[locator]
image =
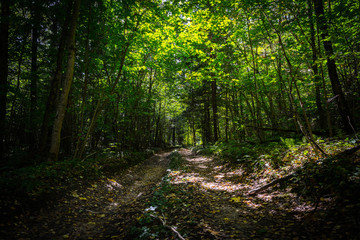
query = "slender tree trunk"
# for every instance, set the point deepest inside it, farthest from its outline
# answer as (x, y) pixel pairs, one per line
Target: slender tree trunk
(4, 64)
(226, 115)
(157, 127)
(17, 90)
(259, 121)
(346, 117)
(61, 108)
(55, 85)
(214, 108)
(84, 89)
(193, 130)
(328, 117)
(317, 79)
(33, 82)
(206, 126)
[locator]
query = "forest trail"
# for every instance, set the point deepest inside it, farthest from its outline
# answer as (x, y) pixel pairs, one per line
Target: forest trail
(103, 210)
(202, 199)
(218, 206)
(229, 213)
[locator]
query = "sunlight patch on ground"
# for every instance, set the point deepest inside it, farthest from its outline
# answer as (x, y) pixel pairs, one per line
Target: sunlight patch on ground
(178, 177)
(223, 186)
(252, 204)
(199, 160)
(202, 166)
(219, 177)
(113, 185)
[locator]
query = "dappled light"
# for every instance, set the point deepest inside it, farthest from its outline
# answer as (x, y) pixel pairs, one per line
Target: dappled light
(186, 119)
(113, 185)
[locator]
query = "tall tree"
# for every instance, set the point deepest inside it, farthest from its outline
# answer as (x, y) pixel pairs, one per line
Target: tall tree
(61, 107)
(34, 76)
(4, 63)
(346, 116)
(55, 82)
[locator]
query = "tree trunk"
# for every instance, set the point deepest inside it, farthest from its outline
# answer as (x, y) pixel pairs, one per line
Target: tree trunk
(346, 117)
(4, 63)
(207, 138)
(33, 81)
(259, 121)
(61, 108)
(317, 79)
(86, 79)
(214, 108)
(226, 115)
(55, 85)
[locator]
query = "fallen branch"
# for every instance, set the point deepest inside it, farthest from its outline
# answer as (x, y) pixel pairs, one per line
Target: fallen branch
(279, 180)
(347, 153)
(341, 155)
(321, 133)
(170, 227)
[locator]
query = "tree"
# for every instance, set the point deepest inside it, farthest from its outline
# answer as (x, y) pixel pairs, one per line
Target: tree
(61, 107)
(346, 116)
(4, 56)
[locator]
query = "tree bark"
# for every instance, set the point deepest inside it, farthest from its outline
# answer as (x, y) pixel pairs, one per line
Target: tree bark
(86, 79)
(314, 66)
(55, 85)
(207, 137)
(346, 116)
(33, 80)
(214, 108)
(4, 63)
(61, 108)
(226, 115)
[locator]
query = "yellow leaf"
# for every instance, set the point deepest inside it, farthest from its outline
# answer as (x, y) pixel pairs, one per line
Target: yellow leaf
(74, 194)
(82, 198)
(235, 199)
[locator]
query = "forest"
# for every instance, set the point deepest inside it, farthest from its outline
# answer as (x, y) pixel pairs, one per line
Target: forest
(100, 96)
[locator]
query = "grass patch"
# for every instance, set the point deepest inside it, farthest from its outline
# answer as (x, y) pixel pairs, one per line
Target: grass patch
(176, 161)
(166, 199)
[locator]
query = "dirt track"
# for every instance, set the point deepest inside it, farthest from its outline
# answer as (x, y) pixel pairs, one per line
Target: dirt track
(103, 210)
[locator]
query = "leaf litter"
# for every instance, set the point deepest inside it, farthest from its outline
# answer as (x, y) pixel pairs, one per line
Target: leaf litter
(203, 199)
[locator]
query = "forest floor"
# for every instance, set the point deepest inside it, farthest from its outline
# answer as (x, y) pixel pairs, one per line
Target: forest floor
(203, 199)
(101, 210)
(207, 200)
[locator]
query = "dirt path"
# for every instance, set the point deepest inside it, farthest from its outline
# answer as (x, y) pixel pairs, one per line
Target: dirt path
(104, 210)
(223, 210)
(205, 199)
